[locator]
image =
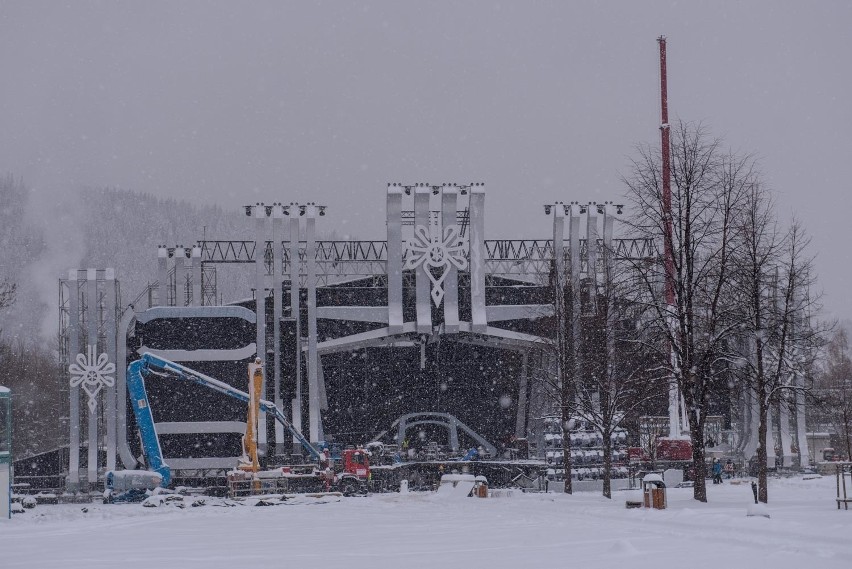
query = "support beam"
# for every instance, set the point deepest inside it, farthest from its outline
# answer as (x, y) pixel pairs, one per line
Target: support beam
(314, 418)
(180, 276)
(592, 253)
(92, 341)
(573, 308)
(110, 346)
(770, 436)
(127, 458)
(260, 309)
(449, 198)
(296, 407)
(503, 312)
(784, 425)
(74, 332)
(197, 300)
(394, 260)
(423, 284)
(277, 314)
(377, 314)
(162, 277)
(801, 429)
(479, 319)
(609, 212)
(563, 343)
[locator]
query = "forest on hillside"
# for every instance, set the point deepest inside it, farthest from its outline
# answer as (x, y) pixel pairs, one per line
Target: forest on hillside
(39, 243)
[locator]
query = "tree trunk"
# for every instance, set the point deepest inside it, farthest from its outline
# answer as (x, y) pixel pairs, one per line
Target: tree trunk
(607, 473)
(696, 434)
(566, 452)
(762, 491)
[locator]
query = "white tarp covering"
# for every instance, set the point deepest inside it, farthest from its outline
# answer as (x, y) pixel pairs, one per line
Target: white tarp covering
(456, 486)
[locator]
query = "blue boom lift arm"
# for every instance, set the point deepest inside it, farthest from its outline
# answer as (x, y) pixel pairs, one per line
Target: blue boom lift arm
(150, 364)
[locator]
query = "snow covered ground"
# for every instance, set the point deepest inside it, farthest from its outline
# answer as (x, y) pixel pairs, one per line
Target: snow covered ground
(422, 530)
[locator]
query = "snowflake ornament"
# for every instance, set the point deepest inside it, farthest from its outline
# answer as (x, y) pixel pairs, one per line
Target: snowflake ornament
(435, 251)
(93, 373)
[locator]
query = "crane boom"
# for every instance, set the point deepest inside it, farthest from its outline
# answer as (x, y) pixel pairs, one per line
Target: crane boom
(149, 364)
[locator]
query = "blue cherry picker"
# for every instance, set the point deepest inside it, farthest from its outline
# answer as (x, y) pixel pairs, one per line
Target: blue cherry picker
(354, 466)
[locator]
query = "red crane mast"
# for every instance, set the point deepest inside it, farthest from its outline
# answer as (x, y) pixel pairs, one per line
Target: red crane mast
(668, 256)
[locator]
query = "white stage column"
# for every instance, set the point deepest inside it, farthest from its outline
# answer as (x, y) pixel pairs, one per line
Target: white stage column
(801, 427)
(752, 413)
(196, 277)
(74, 333)
(559, 289)
(295, 313)
(180, 276)
(92, 341)
(260, 310)
(559, 243)
(162, 277)
(786, 437)
(573, 309)
(770, 437)
(479, 320)
(394, 260)
(449, 199)
(277, 313)
(110, 346)
(609, 213)
(592, 253)
(314, 418)
(127, 458)
(422, 224)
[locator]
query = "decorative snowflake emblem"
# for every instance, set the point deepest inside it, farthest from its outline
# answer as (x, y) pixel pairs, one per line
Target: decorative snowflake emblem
(93, 373)
(435, 251)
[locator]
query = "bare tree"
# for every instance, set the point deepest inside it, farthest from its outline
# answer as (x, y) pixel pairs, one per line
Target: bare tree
(707, 195)
(7, 296)
(834, 388)
(616, 382)
(651, 429)
(562, 386)
(31, 371)
(773, 273)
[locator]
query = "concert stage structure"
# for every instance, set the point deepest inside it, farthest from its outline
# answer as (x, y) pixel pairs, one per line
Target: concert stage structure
(435, 319)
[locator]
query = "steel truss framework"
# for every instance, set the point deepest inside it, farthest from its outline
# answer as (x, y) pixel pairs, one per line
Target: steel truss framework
(527, 259)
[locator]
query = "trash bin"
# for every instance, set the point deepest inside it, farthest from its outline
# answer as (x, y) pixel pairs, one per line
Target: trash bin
(481, 487)
(654, 492)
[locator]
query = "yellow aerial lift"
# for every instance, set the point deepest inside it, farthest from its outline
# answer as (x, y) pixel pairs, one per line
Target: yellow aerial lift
(249, 461)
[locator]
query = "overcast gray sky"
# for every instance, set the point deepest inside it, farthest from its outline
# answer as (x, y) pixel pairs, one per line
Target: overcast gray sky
(237, 102)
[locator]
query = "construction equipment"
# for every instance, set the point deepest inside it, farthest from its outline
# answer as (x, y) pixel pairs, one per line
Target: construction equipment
(129, 485)
(350, 477)
(250, 462)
